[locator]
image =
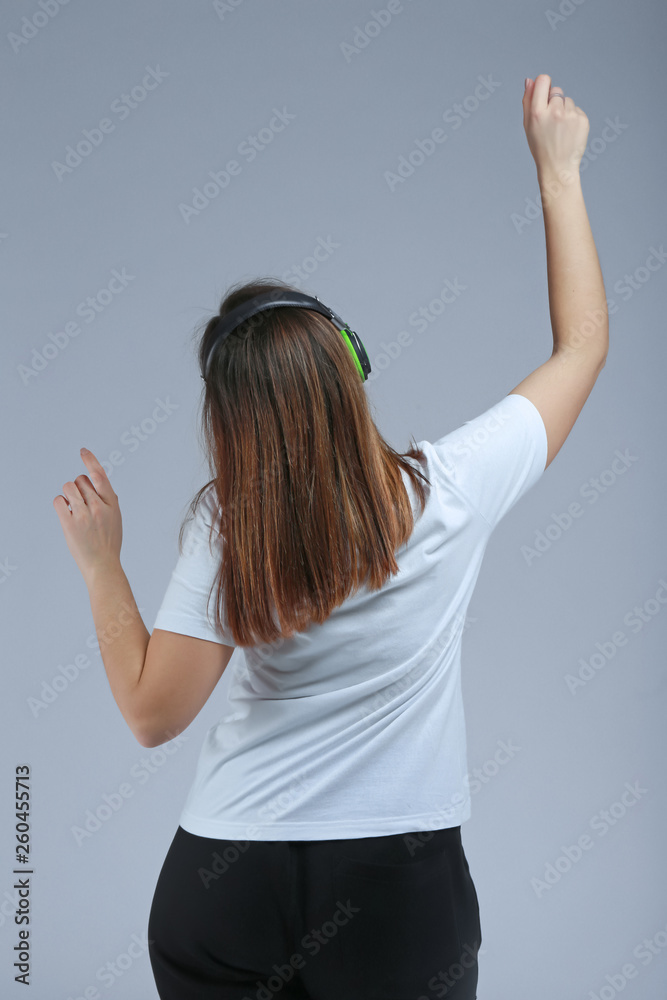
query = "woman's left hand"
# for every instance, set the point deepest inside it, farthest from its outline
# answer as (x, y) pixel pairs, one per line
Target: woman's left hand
(93, 529)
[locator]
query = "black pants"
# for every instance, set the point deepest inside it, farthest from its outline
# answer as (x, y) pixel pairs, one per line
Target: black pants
(393, 917)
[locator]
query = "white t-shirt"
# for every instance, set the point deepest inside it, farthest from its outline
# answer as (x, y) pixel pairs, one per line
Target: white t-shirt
(355, 727)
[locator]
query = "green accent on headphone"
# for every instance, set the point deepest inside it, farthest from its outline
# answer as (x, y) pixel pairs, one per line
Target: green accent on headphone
(352, 352)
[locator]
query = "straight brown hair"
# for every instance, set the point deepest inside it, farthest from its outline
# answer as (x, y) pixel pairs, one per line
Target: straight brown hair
(311, 500)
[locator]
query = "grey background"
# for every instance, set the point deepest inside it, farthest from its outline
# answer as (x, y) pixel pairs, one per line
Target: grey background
(455, 217)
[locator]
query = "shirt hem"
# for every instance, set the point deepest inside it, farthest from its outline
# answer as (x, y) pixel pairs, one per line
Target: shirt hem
(338, 830)
(171, 621)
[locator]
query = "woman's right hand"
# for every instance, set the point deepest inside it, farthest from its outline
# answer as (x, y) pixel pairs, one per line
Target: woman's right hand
(556, 129)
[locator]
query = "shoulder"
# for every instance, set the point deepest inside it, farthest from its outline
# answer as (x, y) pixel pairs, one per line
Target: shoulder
(209, 509)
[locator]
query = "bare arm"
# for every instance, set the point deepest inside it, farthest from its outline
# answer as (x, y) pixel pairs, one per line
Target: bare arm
(577, 298)
(557, 131)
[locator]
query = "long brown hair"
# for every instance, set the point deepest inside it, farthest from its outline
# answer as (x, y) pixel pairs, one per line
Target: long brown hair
(311, 500)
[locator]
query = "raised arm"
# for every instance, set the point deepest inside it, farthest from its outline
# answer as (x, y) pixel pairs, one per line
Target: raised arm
(557, 132)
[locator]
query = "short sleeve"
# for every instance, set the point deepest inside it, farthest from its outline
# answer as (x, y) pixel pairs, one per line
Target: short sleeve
(493, 459)
(184, 606)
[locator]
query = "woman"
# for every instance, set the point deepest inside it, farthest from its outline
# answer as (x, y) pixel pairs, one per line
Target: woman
(319, 851)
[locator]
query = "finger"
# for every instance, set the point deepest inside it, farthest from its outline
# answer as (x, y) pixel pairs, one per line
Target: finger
(86, 488)
(98, 476)
(527, 98)
(541, 92)
(70, 492)
(62, 510)
(528, 91)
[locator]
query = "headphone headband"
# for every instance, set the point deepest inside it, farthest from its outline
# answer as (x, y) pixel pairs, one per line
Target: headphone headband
(280, 297)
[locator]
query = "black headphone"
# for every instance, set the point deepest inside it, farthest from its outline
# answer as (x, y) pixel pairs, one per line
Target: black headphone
(280, 297)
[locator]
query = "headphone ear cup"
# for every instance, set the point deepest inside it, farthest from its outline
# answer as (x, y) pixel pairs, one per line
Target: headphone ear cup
(365, 360)
(358, 352)
(351, 340)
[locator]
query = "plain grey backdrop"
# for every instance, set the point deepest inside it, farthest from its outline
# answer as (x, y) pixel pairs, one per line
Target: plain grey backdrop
(117, 239)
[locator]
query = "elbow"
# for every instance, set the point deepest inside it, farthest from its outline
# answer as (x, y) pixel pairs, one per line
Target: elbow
(143, 723)
(143, 737)
(150, 737)
(145, 741)
(152, 725)
(144, 732)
